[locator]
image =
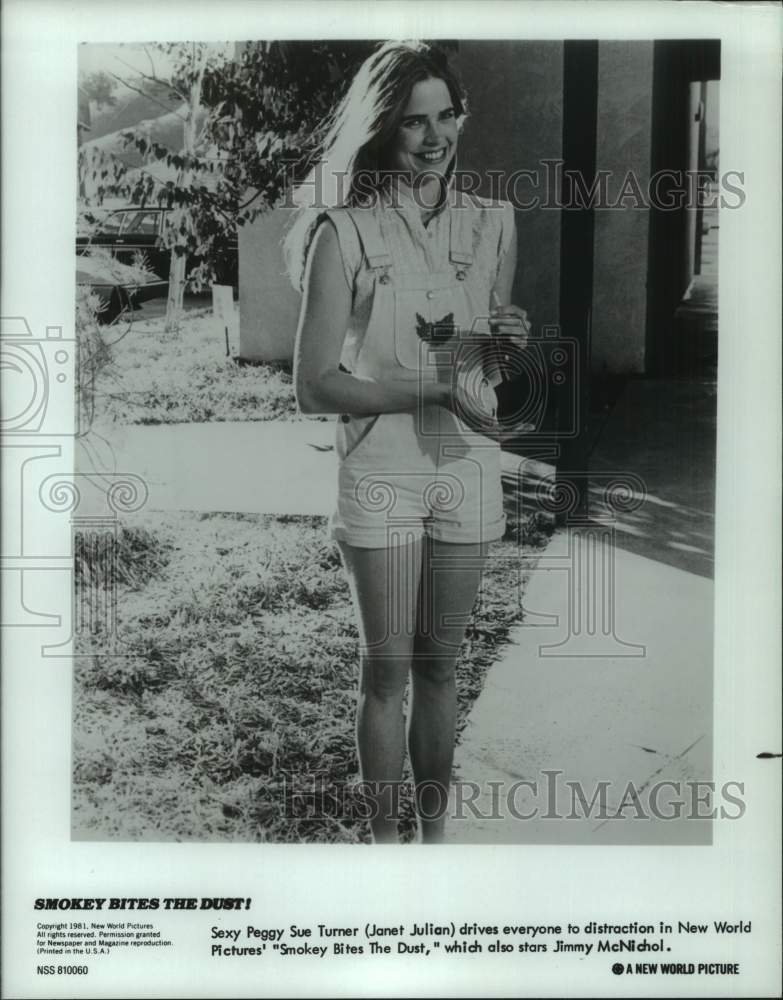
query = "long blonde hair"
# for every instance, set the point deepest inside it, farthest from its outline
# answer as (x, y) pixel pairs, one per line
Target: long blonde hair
(350, 158)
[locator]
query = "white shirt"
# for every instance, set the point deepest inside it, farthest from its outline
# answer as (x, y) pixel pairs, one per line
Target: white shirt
(416, 248)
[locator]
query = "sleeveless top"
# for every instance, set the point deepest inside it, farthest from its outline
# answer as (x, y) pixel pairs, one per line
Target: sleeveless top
(415, 249)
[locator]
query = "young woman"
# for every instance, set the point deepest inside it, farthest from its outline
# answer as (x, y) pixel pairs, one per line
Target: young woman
(397, 267)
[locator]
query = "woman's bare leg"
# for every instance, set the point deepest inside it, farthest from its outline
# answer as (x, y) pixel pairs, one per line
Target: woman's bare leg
(451, 575)
(385, 584)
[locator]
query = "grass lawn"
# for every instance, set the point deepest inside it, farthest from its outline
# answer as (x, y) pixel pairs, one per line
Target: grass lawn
(185, 377)
(238, 683)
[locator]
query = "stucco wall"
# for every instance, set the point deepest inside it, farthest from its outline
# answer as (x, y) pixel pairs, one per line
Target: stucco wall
(621, 235)
(268, 303)
(515, 98)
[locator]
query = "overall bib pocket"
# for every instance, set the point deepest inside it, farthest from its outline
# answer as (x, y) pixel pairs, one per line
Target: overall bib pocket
(424, 318)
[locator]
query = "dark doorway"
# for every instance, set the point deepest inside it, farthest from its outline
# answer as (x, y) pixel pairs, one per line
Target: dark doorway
(580, 112)
(682, 342)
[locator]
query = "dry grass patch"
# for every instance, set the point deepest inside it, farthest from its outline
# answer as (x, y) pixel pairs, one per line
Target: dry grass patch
(230, 713)
(185, 377)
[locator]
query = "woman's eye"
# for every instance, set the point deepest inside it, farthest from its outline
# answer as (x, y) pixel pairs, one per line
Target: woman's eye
(419, 122)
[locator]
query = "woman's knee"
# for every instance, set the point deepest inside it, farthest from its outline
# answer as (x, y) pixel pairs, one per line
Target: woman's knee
(384, 678)
(434, 671)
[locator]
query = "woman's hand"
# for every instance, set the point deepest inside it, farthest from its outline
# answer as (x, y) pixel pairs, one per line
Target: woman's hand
(474, 405)
(510, 322)
(461, 385)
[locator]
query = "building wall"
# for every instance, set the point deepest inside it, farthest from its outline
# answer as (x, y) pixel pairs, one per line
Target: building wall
(624, 136)
(516, 124)
(515, 99)
(268, 303)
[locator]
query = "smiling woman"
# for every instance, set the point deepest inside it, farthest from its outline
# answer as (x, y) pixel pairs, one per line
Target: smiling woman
(401, 272)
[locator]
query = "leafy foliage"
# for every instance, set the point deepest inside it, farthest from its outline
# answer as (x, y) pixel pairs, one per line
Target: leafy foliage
(99, 87)
(248, 125)
(268, 106)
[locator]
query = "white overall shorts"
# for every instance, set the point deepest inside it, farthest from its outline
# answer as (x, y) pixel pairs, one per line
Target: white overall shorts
(402, 475)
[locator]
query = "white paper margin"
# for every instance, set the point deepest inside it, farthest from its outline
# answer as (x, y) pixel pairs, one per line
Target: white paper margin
(739, 877)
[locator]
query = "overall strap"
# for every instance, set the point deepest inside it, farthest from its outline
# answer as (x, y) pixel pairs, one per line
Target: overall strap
(371, 238)
(461, 234)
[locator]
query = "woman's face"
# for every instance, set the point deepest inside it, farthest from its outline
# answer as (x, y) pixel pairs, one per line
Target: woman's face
(426, 138)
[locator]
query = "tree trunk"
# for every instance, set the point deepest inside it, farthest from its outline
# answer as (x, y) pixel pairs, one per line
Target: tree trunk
(177, 273)
(176, 294)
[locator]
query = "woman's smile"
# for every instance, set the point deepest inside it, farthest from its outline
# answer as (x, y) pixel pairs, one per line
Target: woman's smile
(437, 156)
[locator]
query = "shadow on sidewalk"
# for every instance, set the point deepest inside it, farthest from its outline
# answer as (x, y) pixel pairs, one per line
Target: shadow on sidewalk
(651, 474)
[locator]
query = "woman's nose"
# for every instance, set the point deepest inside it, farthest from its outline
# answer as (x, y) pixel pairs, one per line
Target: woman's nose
(432, 135)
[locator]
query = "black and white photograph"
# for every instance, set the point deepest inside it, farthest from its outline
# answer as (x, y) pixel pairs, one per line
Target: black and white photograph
(392, 463)
(411, 370)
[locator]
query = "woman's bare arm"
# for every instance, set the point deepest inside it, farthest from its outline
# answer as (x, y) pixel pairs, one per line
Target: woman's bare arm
(326, 308)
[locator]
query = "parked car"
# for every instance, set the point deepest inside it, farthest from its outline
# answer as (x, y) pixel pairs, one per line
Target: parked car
(120, 288)
(126, 231)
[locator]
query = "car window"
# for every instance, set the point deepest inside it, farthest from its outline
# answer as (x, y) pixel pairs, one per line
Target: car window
(111, 224)
(141, 223)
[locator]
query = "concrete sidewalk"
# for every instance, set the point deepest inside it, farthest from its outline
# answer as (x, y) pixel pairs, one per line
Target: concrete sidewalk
(632, 706)
(269, 467)
(609, 678)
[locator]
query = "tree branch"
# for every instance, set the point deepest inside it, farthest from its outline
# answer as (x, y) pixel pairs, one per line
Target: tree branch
(149, 97)
(249, 201)
(154, 78)
(149, 57)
